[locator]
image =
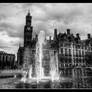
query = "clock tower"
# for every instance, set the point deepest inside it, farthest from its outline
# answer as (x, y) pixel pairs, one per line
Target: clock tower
(28, 31)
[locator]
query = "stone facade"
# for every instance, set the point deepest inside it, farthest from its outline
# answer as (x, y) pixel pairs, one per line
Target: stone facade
(74, 54)
(7, 61)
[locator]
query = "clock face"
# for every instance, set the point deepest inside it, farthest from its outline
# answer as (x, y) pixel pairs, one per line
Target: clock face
(28, 28)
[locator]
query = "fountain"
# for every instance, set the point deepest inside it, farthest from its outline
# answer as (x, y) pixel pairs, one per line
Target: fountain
(54, 67)
(39, 56)
(39, 68)
(26, 64)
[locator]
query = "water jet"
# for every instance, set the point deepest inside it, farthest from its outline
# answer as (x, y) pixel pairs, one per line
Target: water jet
(45, 70)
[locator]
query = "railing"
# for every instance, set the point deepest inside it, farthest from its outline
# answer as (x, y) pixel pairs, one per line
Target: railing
(11, 71)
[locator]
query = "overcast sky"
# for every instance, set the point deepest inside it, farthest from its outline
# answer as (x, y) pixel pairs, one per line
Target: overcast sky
(45, 16)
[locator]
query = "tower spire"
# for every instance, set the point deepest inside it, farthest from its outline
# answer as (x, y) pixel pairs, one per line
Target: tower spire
(29, 12)
(28, 29)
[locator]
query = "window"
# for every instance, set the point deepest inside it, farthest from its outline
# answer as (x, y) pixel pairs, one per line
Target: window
(65, 51)
(76, 60)
(33, 51)
(80, 60)
(80, 53)
(66, 60)
(76, 53)
(69, 52)
(70, 60)
(61, 50)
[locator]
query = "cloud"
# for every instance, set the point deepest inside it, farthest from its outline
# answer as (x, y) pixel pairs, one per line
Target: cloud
(78, 17)
(45, 16)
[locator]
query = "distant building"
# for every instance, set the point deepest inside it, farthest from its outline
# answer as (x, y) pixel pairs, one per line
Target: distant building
(20, 54)
(7, 61)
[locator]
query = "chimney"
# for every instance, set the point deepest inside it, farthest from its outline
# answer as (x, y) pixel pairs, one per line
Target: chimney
(50, 38)
(68, 31)
(78, 36)
(55, 34)
(89, 36)
(36, 37)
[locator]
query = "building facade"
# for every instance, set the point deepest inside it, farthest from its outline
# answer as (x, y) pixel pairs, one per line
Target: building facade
(74, 55)
(20, 57)
(7, 61)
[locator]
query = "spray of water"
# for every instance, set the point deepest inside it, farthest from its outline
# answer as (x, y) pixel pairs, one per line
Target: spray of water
(54, 67)
(26, 67)
(39, 56)
(30, 72)
(39, 69)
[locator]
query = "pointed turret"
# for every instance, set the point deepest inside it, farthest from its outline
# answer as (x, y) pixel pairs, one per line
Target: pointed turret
(28, 29)
(28, 18)
(55, 34)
